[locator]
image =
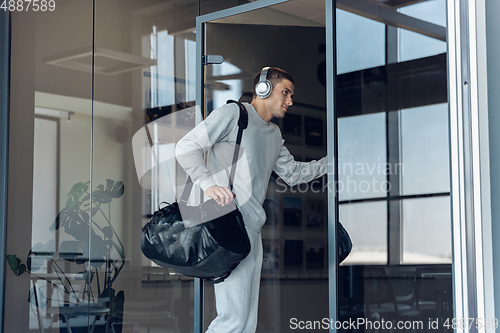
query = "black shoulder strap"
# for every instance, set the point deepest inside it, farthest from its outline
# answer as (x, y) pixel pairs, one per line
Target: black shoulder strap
(243, 121)
(242, 124)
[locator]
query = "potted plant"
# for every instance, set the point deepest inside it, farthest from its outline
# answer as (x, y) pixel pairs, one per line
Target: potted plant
(93, 243)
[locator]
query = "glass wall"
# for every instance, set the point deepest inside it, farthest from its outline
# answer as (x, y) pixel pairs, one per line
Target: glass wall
(394, 182)
(50, 158)
(96, 75)
(87, 79)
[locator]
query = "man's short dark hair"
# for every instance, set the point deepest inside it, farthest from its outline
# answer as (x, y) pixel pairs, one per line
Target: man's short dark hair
(275, 75)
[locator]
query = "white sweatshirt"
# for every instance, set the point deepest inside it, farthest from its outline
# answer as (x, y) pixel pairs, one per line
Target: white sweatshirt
(261, 152)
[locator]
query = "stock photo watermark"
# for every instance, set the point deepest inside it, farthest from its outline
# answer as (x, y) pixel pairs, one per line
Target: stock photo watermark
(364, 323)
(353, 178)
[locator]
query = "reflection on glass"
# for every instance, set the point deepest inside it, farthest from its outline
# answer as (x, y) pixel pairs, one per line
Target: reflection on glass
(433, 11)
(49, 262)
(362, 157)
(44, 181)
(424, 138)
(190, 59)
(415, 46)
(160, 97)
(230, 89)
(162, 75)
(426, 231)
(360, 42)
(392, 104)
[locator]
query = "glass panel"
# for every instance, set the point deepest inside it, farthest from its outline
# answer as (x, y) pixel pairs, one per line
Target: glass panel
(433, 11)
(50, 143)
(393, 126)
(366, 224)
(155, 89)
(413, 45)
(294, 235)
(360, 43)
(363, 168)
(425, 160)
(420, 216)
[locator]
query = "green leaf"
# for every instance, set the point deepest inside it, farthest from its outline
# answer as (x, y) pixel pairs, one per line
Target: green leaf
(95, 210)
(101, 197)
(109, 184)
(117, 190)
(85, 216)
(78, 189)
(21, 269)
(75, 194)
(13, 261)
(15, 264)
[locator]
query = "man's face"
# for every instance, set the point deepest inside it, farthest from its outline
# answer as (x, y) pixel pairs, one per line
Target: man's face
(281, 98)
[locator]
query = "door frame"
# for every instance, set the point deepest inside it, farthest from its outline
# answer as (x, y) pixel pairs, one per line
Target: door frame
(471, 196)
(331, 116)
(4, 147)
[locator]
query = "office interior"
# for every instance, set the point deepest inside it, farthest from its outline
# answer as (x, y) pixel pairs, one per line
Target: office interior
(86, 77)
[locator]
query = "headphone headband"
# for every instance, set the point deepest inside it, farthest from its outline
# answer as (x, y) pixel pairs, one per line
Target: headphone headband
(263, 74)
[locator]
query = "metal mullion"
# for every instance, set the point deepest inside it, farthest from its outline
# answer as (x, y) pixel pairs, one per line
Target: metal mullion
(332, 151)
(456, 158)
(396, 197)
(4, 147)
(394, 216)
(468, 170)
(238, 10)
(393, 155)
(465, 161)
(200, 102)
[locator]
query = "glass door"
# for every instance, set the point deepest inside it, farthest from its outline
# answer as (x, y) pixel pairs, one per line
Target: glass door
(236, 45)
(371, 91)
(394, 180)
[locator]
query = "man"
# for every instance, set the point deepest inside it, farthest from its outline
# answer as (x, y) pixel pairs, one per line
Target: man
(262, 153)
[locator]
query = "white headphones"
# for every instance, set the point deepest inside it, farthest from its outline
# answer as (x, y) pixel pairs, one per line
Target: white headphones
(264, 88)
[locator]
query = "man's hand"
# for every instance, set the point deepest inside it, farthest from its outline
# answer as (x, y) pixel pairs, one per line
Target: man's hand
(221, 194)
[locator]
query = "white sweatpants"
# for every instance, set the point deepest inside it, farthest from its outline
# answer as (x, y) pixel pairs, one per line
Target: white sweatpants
(237, 297)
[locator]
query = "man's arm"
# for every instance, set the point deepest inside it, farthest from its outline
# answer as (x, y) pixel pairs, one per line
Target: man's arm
(294, 173)
(189, 151)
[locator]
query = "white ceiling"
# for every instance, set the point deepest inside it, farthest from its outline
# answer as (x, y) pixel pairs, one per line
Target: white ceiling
(312, 13)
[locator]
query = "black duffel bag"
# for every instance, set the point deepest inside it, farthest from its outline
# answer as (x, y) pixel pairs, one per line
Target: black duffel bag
(208, 250)
(206, 241)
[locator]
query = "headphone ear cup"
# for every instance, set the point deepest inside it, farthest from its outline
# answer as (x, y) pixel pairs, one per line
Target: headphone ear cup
(263, 89)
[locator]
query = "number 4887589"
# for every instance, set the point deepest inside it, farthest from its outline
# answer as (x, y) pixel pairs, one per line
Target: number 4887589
(27, 5)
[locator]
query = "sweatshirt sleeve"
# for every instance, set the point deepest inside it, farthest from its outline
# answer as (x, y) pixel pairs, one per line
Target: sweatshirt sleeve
(217, 127)
(294, 173)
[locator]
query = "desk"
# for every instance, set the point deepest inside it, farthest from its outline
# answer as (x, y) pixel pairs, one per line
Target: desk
(79, 310)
